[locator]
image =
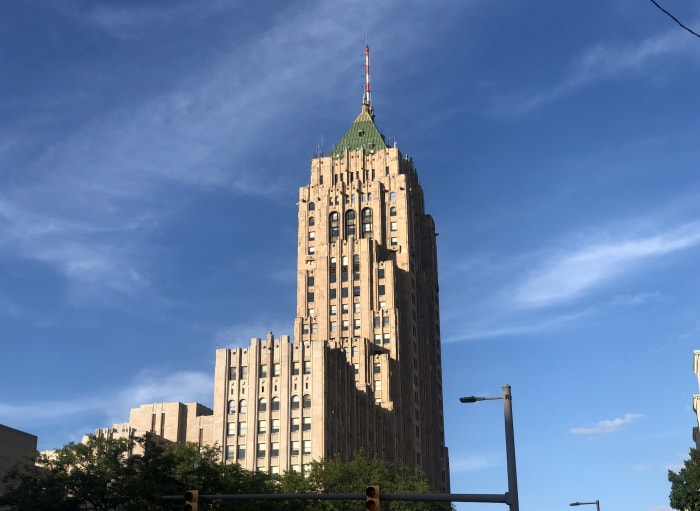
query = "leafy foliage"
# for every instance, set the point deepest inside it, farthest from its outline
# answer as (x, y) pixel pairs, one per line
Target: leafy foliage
(101, 475)
(685, 485)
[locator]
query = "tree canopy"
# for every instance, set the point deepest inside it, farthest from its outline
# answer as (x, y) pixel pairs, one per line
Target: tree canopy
(101, 475)
(685, 485)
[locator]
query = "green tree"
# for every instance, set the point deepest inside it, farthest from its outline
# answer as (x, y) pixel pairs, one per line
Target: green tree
(685, 485)
(337, 476)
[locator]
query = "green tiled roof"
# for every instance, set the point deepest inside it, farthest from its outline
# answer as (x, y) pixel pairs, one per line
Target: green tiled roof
(363, 134)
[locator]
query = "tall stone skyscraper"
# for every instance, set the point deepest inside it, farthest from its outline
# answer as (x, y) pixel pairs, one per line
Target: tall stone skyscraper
(364, 369)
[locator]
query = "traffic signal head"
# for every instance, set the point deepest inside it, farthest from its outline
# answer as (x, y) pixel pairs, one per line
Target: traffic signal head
(191, 498)
(372, 498)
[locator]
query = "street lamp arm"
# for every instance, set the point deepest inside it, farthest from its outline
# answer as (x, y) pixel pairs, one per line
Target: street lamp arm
(474, 399)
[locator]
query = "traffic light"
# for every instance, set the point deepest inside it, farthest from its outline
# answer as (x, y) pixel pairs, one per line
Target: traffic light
(191, 498)
(372, 498)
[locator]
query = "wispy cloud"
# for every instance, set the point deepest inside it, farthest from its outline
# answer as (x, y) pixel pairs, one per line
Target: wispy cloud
(567, 274)
(635, 299)
(508, 326)
(607, 426)
(147, 387)
(239, 334)
(597, 63)
(471, 463)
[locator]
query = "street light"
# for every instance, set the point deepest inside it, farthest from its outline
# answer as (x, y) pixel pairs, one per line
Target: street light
(512, 494)
(597, 504)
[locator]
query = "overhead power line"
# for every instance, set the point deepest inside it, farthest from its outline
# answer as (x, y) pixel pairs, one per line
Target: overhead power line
(674, 18)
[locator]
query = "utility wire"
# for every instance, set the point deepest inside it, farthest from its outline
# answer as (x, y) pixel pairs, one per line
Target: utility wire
(675, 19)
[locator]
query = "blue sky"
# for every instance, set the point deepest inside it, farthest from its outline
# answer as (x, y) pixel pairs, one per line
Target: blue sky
(150, 156)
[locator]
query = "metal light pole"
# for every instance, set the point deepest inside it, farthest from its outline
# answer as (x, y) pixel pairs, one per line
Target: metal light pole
(512, 495)
(597, 504)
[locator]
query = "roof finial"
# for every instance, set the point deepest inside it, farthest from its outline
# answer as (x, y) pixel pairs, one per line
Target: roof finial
(367, 97)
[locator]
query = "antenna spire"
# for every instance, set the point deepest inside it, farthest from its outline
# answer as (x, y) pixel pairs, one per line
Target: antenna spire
(367, 96)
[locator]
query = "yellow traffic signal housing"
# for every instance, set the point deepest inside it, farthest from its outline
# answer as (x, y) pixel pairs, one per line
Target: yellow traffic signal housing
(191, 500)
(372, 498)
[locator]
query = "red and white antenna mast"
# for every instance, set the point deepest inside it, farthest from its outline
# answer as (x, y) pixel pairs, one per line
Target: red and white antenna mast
(367, 97)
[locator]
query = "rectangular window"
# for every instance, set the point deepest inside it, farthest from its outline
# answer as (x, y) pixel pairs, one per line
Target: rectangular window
(310, 280)
(230, 450)
(357, 324)
(275, 449)
(314, 328)
(377, 321)
(295, 448)
(356, 367)
(262, 373)
(380, 273)
(241, 452)
(355, 351)
(262, 427)
(385, 321)
(242, 428)
(381, 290)
(334, 326)
(307, 446)
(295, 368)
(344, 308)
(377, 338)
(244, 372)
(231, 373)
(378, 385)
(275, 426)
(230, 429)
(356, 291)
(344, 292)
(276, 369)
(344, 275)
(310, 297)
(387, 339)
(394, 241)
(334, 308)
(377, 368)
(312, 235)
(394, 226)
(261, 450)
(307, 367)
(295, 425)
(382, 305)
(312, 250)
(312, 311)
(332, 293)
(345, 324)
(356, 307)
(306, 424)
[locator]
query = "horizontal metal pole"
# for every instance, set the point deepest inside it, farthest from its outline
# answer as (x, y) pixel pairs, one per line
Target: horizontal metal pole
(500, 498)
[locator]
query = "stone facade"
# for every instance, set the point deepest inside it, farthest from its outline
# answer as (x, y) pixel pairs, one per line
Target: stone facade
(364, 370)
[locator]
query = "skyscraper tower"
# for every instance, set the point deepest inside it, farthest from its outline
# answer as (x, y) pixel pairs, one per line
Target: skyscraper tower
(364, 370)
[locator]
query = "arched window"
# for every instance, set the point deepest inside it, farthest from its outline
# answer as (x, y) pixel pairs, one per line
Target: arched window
(333, 226)
(392, 211)
(295, 402)
(307, 401)
(275, 404)
(392, 196)
(312, 206)
(312, 221)
(232, 406)
(349, 223)
(242, 406)
(367, 223)
(262, 405)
